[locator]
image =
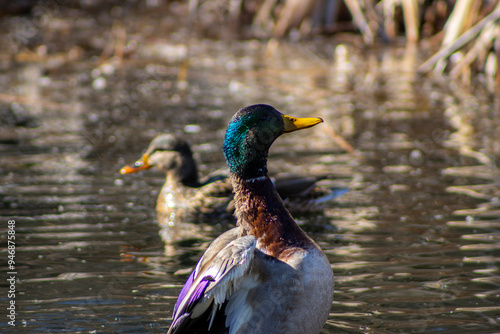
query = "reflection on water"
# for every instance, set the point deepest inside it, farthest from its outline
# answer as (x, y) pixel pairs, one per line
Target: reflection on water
(414, 244)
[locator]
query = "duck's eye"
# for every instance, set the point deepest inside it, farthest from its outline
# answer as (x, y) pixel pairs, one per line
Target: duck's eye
(263, 118)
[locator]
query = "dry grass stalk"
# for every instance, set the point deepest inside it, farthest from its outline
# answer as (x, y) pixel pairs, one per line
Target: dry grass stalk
(410, 11)
(456, 22)
(484, 42)
(455, 26)
(340, 140)
(466, 37)
(497, 56)
(264, 13)
(491, 68)
(360, 20)
(235, 10)
(292, 14)
(389, 23)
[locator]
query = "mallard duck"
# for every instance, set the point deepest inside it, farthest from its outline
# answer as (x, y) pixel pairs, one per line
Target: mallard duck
(189, 197)
(183, 194)
(266, 275)
(185, 202)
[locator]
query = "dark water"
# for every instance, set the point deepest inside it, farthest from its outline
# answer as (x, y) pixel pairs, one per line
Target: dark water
(414, 245)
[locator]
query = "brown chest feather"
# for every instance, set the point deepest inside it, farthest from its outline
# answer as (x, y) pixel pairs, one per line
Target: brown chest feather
(261, 212)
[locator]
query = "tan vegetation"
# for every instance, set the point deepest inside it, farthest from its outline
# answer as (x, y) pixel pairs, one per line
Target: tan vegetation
(465, 33)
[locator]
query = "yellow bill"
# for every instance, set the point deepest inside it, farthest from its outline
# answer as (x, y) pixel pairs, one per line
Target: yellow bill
(294, 123)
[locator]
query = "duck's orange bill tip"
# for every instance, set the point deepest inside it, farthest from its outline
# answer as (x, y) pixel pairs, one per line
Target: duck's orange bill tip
(127, 170)
(134, 169)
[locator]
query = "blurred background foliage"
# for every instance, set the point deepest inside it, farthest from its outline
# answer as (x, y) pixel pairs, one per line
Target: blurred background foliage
(464, 34)
(460, 37)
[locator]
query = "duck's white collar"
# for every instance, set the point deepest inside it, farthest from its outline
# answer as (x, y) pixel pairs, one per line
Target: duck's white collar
(255, 179)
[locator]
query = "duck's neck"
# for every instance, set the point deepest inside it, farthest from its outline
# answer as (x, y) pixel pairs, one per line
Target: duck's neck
(192, 181)
(261, 212)
(184, 174)
(176, 181)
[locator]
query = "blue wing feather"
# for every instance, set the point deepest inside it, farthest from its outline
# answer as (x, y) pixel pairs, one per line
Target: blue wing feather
(184, 290)
(213, 279)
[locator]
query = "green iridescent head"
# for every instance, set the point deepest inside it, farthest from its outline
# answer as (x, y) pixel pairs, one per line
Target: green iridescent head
(250, 134)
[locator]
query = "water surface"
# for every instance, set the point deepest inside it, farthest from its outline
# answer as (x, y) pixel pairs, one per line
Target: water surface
(414, 245)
